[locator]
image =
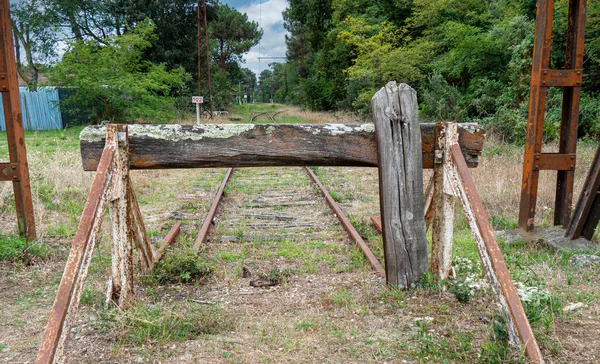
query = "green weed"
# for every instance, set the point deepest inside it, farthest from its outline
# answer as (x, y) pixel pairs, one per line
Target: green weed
(179, 267)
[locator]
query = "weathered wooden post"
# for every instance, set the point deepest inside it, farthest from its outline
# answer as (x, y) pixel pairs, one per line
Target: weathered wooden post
(398, 135)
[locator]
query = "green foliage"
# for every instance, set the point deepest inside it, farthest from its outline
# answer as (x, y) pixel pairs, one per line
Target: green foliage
(469, 60)
(460, 289)
(15, 249)
(234, 34)
(112, 81)
(179, 267)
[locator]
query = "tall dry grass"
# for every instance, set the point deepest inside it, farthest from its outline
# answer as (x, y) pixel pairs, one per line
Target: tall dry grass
(498, 179)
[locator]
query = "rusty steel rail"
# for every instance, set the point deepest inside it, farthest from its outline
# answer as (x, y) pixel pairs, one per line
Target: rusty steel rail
(170, 238)
(354, 235)
(208, 221)
(491, 256)
(377, 223)
(71, 284)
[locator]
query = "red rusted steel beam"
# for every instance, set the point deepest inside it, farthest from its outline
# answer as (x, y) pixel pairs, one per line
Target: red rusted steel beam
(170, 238)
(541, 78)
(491, 257)
(588, 201)
(537, 108)
(570, 111)
(9, 87)
(208, 221)
(377, 222)
(71, 284)
(354, 235)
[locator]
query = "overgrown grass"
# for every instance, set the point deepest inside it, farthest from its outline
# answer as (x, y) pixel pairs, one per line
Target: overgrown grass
(144, 324)
(16, 249)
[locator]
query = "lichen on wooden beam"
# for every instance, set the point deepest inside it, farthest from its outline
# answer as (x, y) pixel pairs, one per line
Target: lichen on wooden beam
(248, 145)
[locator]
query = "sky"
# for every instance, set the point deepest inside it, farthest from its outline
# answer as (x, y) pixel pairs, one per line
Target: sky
(269, 16)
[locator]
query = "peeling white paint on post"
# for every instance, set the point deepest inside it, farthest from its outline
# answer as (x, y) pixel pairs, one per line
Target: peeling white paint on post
(120, 290)
(443, 207)
(518, 328)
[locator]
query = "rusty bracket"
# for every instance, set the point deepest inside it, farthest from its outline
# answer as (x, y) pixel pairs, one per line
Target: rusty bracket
(3, 82)
(560, 78)
(9, 172)
(554, 162)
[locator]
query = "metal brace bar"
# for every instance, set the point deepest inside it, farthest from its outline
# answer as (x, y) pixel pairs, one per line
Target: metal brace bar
(554, 162)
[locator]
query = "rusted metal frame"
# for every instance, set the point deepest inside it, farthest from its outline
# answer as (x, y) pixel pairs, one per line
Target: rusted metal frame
(518, 326)
(537, 107)
(71, 285)
(209, 220)
(354, 235)
(120, 285)
(14, 126)
(8, 172)
(570, 111)
(561, 78)
(593, 217)
(170, 238)
(554, 162)
(429, 202)
(147, 254)
(377, 223)
(586, 200)
(442, 208)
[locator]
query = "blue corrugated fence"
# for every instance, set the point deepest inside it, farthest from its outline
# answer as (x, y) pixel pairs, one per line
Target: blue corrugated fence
(39, 108)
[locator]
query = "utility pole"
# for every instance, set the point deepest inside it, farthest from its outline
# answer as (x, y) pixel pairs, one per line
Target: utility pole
(203, 28)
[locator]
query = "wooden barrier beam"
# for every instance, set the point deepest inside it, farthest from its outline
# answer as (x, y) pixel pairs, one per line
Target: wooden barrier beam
(268, 145)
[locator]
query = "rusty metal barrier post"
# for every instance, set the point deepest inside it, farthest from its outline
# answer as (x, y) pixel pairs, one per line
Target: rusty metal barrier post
(17, 171)
(497, 272)
(71, 285)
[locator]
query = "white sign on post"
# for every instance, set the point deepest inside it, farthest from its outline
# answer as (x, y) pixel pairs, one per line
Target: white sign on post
(197, 100)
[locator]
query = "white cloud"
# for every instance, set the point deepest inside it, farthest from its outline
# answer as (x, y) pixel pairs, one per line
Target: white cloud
(269, 16)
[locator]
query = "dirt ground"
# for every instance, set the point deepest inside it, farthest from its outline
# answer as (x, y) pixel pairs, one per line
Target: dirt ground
(327, 305)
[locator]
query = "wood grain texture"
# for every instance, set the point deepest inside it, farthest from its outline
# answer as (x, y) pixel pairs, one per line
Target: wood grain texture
(246, 145)
(398, 135)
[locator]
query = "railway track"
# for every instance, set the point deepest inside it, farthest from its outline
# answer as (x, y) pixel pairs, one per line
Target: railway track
(279, 217)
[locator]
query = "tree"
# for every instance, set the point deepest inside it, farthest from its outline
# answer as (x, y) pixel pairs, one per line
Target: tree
(234, 34)
(266, 85)
(35, 37)
(113, 82)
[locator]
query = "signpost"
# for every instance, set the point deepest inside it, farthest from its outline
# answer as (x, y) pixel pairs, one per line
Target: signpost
(197, 100)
